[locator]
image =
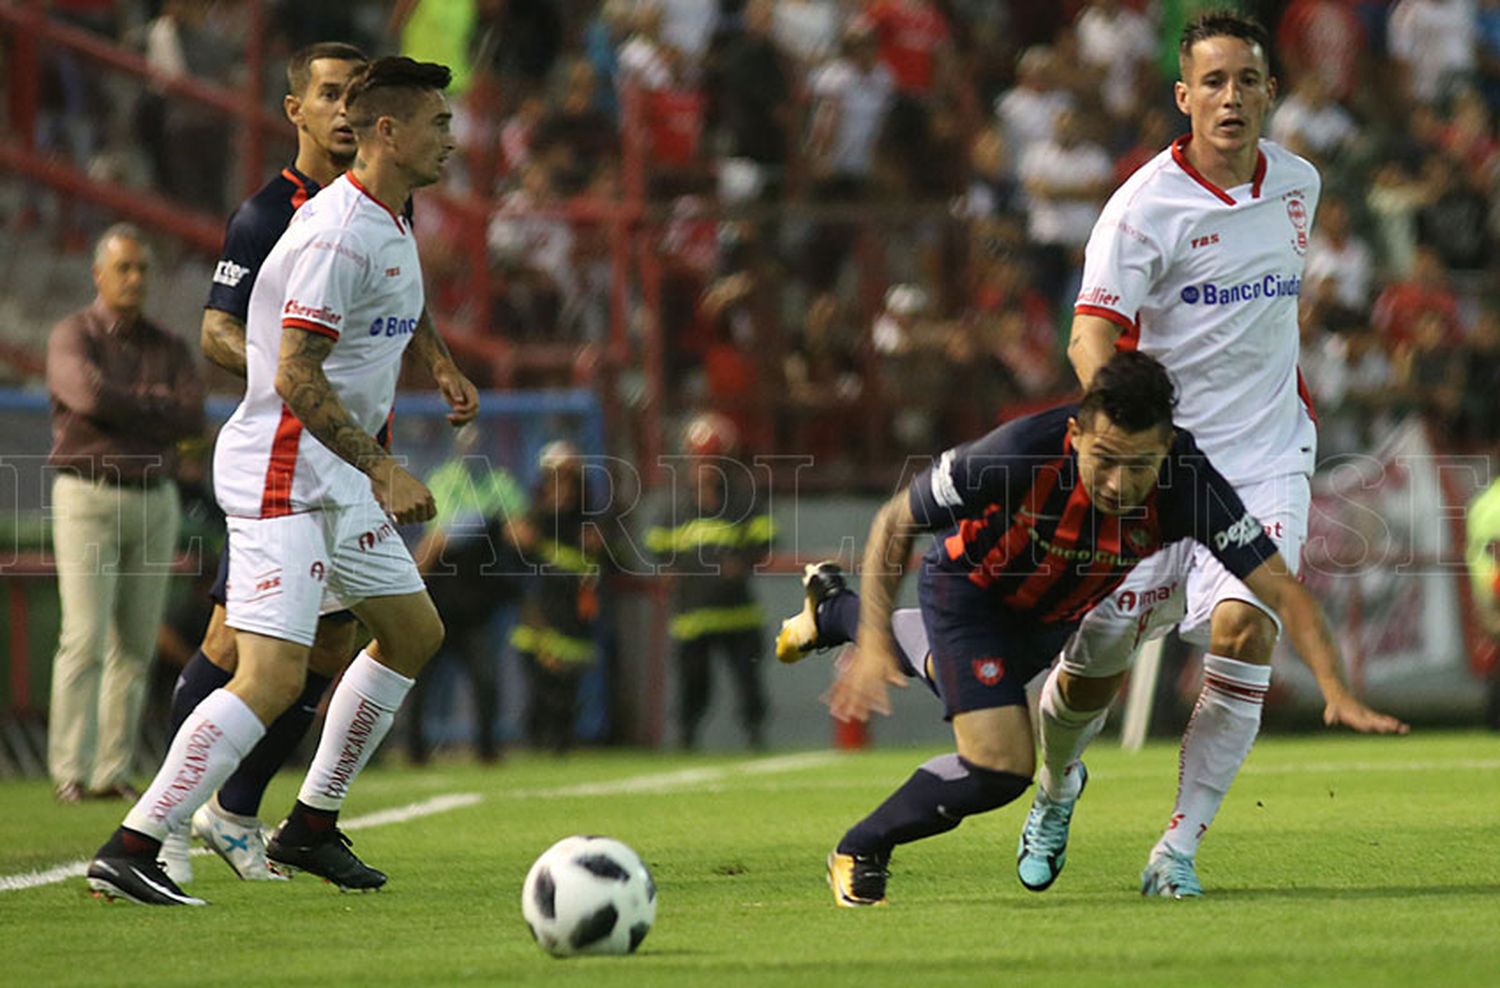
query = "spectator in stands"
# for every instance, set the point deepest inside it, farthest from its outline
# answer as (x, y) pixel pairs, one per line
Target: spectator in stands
(1479, 414)
(1429, 372)
(687, 27)
(1488, 27)
(531, 243)
(808, 32)
(1152, 137)
(1454, 219)
(851, 98)
(576, 137)
(1434, 45)
(1322, 39)
(1337, 255)
(1311, 123)
(183, 42)
(519, 134)
(991, 189)
(516, 41)
(916, 45)
(1066, 179)
(645, 60)
(1402, 303)
(470, 559)
(124, 393)
(1350, 378)
(1469, 136)
(1028, 112)
(1119, 46)
(1393, 200)
(756, 109)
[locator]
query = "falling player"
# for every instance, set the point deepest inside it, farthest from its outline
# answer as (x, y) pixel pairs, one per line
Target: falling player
(1038, 522)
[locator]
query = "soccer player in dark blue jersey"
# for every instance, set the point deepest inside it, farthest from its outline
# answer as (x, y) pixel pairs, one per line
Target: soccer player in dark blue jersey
(229, 823)
(1036, 522)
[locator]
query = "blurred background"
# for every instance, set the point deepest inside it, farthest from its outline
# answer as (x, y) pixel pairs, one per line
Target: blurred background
(851, 228)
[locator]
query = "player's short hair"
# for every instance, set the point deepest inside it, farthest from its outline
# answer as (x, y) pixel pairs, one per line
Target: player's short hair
(390, 87)
(299, 66)
(1134, 390)
(1222, 23)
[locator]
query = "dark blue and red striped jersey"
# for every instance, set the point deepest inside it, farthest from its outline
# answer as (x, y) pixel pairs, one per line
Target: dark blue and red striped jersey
(1012, 517)
(253, 230)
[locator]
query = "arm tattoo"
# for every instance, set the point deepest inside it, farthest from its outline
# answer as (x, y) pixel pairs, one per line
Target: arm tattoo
(307, 392)
(428, 347)
(223, 340)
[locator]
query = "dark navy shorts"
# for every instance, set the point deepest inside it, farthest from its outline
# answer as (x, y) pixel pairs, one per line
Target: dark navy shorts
(982, 654)
(218, 593)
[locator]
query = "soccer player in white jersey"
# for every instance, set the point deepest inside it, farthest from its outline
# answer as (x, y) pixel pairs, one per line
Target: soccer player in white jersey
(1197, 260)
(313, 499)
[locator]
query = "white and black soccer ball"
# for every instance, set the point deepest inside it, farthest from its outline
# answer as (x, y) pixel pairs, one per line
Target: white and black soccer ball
(589, 895)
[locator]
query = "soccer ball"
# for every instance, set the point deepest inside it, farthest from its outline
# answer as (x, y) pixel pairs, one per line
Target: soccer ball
(589, 895)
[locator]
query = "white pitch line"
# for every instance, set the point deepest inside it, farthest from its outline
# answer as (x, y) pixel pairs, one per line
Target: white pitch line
(682, 779)
(398, 814)
(653, 782)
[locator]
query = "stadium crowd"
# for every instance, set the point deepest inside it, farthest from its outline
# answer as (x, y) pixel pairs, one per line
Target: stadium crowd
(883, 203)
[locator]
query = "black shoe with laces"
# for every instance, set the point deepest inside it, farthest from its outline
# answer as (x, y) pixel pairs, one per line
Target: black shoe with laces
(326, 855)
(799, 633)
(858, 879)
(125, 868)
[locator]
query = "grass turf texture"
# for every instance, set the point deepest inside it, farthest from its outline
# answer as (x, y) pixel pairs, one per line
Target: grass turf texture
(1336, 860)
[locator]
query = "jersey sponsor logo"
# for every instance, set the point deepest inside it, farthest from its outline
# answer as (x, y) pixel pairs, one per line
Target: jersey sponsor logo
(321, 313)
(1240, 534)
(1207, 240)
(1271, 286)
(989, 671)
(1101, 556)
(390, 326)
(1098, 295)
(367, 540)
(1296, 211)
(230, 274)
(1129, 600)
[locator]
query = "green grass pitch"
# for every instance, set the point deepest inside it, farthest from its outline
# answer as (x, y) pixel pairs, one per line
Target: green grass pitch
(1336, 861)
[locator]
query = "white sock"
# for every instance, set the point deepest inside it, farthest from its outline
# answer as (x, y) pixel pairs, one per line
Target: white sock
(207, 749)
(1065, 734)
(1216, 743)
(359, 715)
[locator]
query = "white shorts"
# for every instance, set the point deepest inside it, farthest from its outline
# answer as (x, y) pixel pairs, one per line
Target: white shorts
(1182, 584)
(284, 573)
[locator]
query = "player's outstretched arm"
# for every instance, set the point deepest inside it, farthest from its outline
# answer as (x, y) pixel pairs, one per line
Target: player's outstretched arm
(1314, 641)
(458, 391)
(1090, 345)
(304, 387)
(860, 687)
(222, 337)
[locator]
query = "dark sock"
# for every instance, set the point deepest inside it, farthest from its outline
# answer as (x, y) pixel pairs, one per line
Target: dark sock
(127, 843)
(933, 801)
(241, 793)
(838, 619)
(306, 824)
(198, 678)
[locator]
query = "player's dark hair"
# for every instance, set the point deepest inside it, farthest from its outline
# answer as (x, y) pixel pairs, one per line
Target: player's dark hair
(389, 87)
(1222, 23)
(299, 66)
(1134, 390)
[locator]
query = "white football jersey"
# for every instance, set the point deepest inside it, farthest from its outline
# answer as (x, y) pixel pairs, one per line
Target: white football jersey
(1207, 281)
(346, 268)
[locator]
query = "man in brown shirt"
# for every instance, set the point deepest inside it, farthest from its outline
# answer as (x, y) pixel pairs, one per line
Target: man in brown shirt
(124, 393)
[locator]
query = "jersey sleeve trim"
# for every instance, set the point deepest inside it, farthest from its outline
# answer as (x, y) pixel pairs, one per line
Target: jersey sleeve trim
(291, 322)
(1119, 319)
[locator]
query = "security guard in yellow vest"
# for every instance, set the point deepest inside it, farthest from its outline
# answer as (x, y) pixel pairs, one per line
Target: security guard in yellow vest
(715, 534)
(555, 635)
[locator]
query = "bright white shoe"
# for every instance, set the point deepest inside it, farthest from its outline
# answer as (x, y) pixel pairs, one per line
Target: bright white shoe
(174, 856)
(1171, 876)
(239, 840)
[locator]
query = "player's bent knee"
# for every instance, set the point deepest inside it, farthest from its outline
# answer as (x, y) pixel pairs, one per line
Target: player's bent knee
(1242, 631)
(333, 647)
(269, 689)
(1085, 693)
(218, 642)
